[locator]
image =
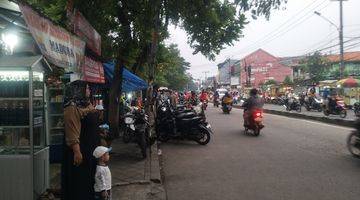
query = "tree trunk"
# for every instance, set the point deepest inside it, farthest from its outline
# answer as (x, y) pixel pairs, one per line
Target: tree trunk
(114, 98)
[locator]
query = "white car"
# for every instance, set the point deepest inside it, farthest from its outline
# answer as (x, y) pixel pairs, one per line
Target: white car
(221, 92)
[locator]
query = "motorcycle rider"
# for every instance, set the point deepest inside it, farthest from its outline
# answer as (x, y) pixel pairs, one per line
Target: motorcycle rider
(203, 96)
(216, 97)
(250, 104)
(332, 103)
(227, 99)
(193, 100)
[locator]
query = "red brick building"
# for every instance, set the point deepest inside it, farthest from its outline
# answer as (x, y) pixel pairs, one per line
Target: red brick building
(264, 67)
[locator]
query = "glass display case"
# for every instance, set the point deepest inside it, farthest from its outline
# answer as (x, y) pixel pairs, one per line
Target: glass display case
(56, 121)
(24, 152)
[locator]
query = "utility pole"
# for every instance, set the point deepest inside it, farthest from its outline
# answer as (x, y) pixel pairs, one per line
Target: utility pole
(341, 38)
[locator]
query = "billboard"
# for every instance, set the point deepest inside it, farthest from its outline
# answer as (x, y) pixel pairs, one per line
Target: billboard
(93, 71)
(59, 47)
(85, 31)
(235, 80)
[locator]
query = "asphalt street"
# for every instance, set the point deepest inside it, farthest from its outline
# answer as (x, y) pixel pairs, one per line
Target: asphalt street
(291, 159)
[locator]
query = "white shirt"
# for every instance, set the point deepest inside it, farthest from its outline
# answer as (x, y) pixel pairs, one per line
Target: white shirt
(102, 178)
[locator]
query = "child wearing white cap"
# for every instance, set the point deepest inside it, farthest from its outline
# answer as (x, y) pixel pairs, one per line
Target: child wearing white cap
(103, 175)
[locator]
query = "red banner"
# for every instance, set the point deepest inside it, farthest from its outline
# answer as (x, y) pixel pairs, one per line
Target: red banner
(85, 31)
(93, 71)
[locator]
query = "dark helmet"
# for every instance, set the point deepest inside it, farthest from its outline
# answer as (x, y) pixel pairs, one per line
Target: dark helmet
(193, 93)
(253, 92)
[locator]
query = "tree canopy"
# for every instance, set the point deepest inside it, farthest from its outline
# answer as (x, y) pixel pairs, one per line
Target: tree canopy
(315, 65)
(133, 31)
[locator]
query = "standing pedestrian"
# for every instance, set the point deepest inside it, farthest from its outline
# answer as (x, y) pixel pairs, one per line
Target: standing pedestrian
(102, 184)
(81, 138)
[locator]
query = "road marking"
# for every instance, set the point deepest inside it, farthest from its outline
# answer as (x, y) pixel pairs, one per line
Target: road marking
(313, 122)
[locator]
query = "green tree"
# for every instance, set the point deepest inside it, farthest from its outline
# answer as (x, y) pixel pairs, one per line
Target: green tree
(171, 68)
(288, 81)
(132, 30)
(315, 65)
(270, 82)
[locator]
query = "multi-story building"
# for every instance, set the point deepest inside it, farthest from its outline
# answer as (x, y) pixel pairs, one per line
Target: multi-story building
(351, 63)
(263, 67)
(224, 72)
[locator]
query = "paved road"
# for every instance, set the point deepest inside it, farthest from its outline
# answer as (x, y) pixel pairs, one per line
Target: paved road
(350, 113)
(292, 159)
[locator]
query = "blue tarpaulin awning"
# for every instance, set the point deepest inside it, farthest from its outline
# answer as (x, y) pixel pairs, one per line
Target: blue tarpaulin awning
(131, 82)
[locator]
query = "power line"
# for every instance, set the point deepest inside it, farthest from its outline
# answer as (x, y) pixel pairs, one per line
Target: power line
(271, 33)
(279, 31)
(285, 25)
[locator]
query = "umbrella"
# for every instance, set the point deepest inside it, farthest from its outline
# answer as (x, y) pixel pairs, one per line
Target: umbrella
(349, 82)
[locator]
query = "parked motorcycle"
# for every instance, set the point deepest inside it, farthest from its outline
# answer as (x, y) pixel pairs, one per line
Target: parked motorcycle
(315, 104)
(189, 124)
(137, 129)
(339, 110)
(353, 144)
(255, 122)
(292, 104)
(357, 109)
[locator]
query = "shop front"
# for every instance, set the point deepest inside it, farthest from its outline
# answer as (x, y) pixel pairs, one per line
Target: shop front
(24, 148)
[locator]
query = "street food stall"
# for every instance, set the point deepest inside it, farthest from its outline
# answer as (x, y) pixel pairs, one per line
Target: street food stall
(350, 89)
(24, 151)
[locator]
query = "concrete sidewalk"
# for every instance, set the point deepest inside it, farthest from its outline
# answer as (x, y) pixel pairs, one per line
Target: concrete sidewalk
(134, 178)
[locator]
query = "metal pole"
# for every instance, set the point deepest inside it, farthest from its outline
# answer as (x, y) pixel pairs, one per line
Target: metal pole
(341, 35)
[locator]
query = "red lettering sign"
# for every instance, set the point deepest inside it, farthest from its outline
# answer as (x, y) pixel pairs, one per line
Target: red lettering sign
(93, 71)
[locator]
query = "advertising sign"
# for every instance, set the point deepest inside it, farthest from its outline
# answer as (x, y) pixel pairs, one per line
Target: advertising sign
(93, 71)
(58, 46)
(86, 32)
(235, 80)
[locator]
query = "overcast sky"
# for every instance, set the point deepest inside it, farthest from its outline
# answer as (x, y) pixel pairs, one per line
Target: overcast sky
(289, 32)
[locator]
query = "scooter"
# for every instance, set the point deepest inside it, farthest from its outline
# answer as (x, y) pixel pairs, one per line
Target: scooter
(314, 105)
(216, 102)
(188, 124)
(255, 122)
(353, 144)
(137, 129)
(226, 108)
(292, 104)
(339, 110)
(357, 109)
(204, 104)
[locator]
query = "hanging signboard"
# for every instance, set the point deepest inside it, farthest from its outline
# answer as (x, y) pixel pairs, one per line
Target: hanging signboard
(93, 71)
(85, 31)
(58, 46)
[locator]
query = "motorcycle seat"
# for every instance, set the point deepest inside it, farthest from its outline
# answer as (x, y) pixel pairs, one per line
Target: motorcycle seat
(186, 115)
(193, 119)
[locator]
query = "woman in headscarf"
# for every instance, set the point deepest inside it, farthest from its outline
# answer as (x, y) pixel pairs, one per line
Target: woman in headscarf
(81, 138)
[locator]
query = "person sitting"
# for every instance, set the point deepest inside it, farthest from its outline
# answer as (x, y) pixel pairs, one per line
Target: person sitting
(203, 96)
(332, 104)
(193, 100)
(250, 104)
(227, 99)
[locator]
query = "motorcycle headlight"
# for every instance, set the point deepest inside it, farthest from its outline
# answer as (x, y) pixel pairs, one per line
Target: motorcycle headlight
(129, 120)
(197, 109)
(163, 109)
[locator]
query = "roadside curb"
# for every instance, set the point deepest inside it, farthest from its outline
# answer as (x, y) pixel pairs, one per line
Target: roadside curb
(157, 189)
(340, 122)
(155, 164)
